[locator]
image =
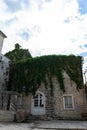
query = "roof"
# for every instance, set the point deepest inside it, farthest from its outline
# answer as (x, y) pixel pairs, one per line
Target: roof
(3, 34)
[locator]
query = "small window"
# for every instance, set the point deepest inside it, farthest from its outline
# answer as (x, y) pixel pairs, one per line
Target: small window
(68, 102)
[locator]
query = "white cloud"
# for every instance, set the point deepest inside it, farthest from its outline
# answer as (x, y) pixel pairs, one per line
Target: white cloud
(50, 34)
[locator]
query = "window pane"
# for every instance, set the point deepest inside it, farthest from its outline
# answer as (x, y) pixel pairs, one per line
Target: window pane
(41, 101)
(68, 101)
(36, 101)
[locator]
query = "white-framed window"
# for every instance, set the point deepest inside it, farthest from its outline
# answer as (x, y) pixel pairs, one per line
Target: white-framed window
(68, 102)
(38, 100)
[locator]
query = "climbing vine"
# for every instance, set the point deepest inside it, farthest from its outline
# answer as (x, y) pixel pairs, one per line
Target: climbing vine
(27, 75)
(18, 53)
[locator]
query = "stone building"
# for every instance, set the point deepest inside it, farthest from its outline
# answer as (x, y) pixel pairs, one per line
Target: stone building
(68, 104)
(4, 77)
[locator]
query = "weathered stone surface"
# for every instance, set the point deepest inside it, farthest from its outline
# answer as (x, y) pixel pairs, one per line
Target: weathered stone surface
(21, 115)
(6, 116)
(4, 71)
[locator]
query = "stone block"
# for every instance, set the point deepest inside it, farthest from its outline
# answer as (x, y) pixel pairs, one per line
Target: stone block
(20, 115)
(6, 116)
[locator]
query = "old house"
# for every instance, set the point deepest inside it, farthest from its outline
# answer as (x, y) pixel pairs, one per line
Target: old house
(4, 77)
(53, 85)
(47, 87)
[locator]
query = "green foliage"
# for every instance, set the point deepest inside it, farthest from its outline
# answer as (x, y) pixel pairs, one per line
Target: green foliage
(17, 46)
(18, 54)
(29, 74)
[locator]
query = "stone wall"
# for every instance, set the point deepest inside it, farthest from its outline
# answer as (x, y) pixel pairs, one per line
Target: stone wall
(79, 101)
(6, 116)
(54, 105)
(1, 41)
(7, 106)
(4, 71)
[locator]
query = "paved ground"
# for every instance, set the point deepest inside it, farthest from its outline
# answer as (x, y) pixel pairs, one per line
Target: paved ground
(64, 125)
(46, 125)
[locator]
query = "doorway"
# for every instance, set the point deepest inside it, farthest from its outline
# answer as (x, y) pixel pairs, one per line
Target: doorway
(38, 104)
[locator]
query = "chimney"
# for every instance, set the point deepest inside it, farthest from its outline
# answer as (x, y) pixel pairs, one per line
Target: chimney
(2, 36)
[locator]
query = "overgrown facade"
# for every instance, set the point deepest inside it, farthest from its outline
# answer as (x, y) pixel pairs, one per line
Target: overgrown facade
(47, 87)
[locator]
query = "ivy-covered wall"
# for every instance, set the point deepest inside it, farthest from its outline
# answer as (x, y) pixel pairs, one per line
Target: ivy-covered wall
(27, 75)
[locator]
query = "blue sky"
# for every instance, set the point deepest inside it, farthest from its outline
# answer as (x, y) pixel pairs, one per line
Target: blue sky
(45, 26)
(82, 6)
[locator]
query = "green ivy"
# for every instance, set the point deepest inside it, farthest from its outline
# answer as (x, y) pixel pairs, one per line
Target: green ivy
(18, 54)
(27, 75)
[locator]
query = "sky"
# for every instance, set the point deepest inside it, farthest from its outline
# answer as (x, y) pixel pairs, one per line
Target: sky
(45, 27)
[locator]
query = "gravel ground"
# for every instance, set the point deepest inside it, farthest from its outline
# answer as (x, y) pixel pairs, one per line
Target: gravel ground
(15, 126)
(45, 125)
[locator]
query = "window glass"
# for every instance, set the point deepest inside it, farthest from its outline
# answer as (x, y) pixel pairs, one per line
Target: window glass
(68, 102)
(38, 100)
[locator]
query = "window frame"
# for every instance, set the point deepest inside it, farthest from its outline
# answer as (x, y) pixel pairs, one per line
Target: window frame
(68, 108)
(38, 100)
